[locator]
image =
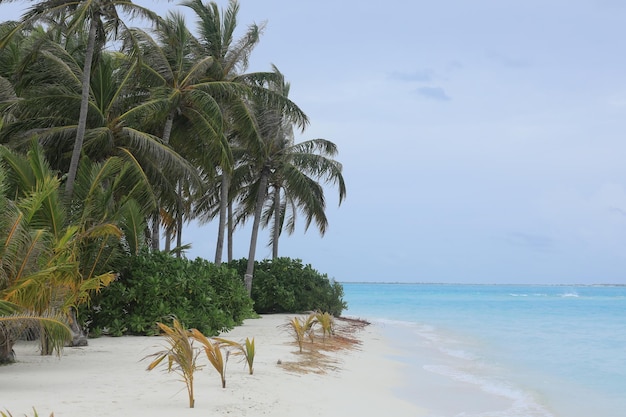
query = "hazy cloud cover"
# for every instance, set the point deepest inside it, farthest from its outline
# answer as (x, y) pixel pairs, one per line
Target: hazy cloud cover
(482, 141)
(423, 75)
(534, 242)
(506, 60)
(435, 93)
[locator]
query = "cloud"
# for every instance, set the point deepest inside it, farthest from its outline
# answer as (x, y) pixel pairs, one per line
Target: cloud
(423, 75)
(507, 61)
(616, 210)
(454, 65)
(433, 93)
(536, 242)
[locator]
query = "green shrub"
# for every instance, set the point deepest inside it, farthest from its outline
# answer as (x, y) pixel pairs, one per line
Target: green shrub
(153, 287)
(285, 285)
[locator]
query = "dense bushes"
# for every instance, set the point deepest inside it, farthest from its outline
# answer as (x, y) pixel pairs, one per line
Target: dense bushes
(152, 287)
(284, 285)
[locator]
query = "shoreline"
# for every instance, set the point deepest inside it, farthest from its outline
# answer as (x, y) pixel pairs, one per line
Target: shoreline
(108, 378)
(501, 351)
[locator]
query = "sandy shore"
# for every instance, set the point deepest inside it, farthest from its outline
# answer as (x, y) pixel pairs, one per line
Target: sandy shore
(108, 378)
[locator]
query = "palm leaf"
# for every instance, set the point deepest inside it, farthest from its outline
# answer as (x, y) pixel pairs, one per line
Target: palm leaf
(133, 223)
(14, 322)
(181, 355)
(213, 353)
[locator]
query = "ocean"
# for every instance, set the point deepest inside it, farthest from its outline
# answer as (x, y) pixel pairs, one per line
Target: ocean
(503, 350)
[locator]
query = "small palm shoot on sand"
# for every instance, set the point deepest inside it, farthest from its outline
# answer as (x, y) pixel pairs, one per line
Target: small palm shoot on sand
(246, 349)
(301, 327)
(213, 352)
(249, 354)
(249, 350)
(181, 355)
(326, 322)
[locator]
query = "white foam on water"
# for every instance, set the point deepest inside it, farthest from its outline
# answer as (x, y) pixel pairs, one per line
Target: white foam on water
(390, 322)
(535, 294)
(423, 331)
(523, 404)
(459, 354)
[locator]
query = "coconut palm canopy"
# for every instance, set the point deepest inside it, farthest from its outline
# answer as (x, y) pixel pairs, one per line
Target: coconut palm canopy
(111, 133)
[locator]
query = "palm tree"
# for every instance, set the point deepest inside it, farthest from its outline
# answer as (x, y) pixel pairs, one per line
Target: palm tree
(230, 56)
(86, 240)
(56, 271)
(22, 249)
(263, 150)
(102, 17)
(181, 101)
(230, 59)
(298, 170)
(117, 124)
(47, 109)
(15, 322)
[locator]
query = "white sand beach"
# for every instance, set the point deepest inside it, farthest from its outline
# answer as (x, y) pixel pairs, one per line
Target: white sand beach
(109, 378)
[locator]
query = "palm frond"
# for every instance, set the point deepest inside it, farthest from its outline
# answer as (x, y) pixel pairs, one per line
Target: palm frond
(181, 355)
(133, 224)
(15, 322)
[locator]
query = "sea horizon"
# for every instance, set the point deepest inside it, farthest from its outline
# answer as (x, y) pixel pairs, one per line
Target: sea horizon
(608, 284)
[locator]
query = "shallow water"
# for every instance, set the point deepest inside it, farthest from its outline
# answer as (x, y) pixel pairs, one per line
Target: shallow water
(504, 350)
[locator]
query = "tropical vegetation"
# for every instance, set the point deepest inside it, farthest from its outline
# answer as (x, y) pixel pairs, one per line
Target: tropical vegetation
(155, 286)
(286, 285)
(112, 138)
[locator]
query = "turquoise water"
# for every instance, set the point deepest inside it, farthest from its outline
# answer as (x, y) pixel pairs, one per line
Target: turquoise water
(531, 351)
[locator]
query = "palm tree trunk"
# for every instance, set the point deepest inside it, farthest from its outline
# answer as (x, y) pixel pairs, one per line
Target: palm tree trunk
(168, 242)
(219, 247)
(260, 199)
(156, 221)
(276, 223)
(44, 344)
(179, 233)
(6, 346)
(79, 338)
(84, 108)
(167, 129)
(179, 220)
(156, 224)
(230, 231)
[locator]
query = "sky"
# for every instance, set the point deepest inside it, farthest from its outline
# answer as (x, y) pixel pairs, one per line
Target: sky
(482, 141)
